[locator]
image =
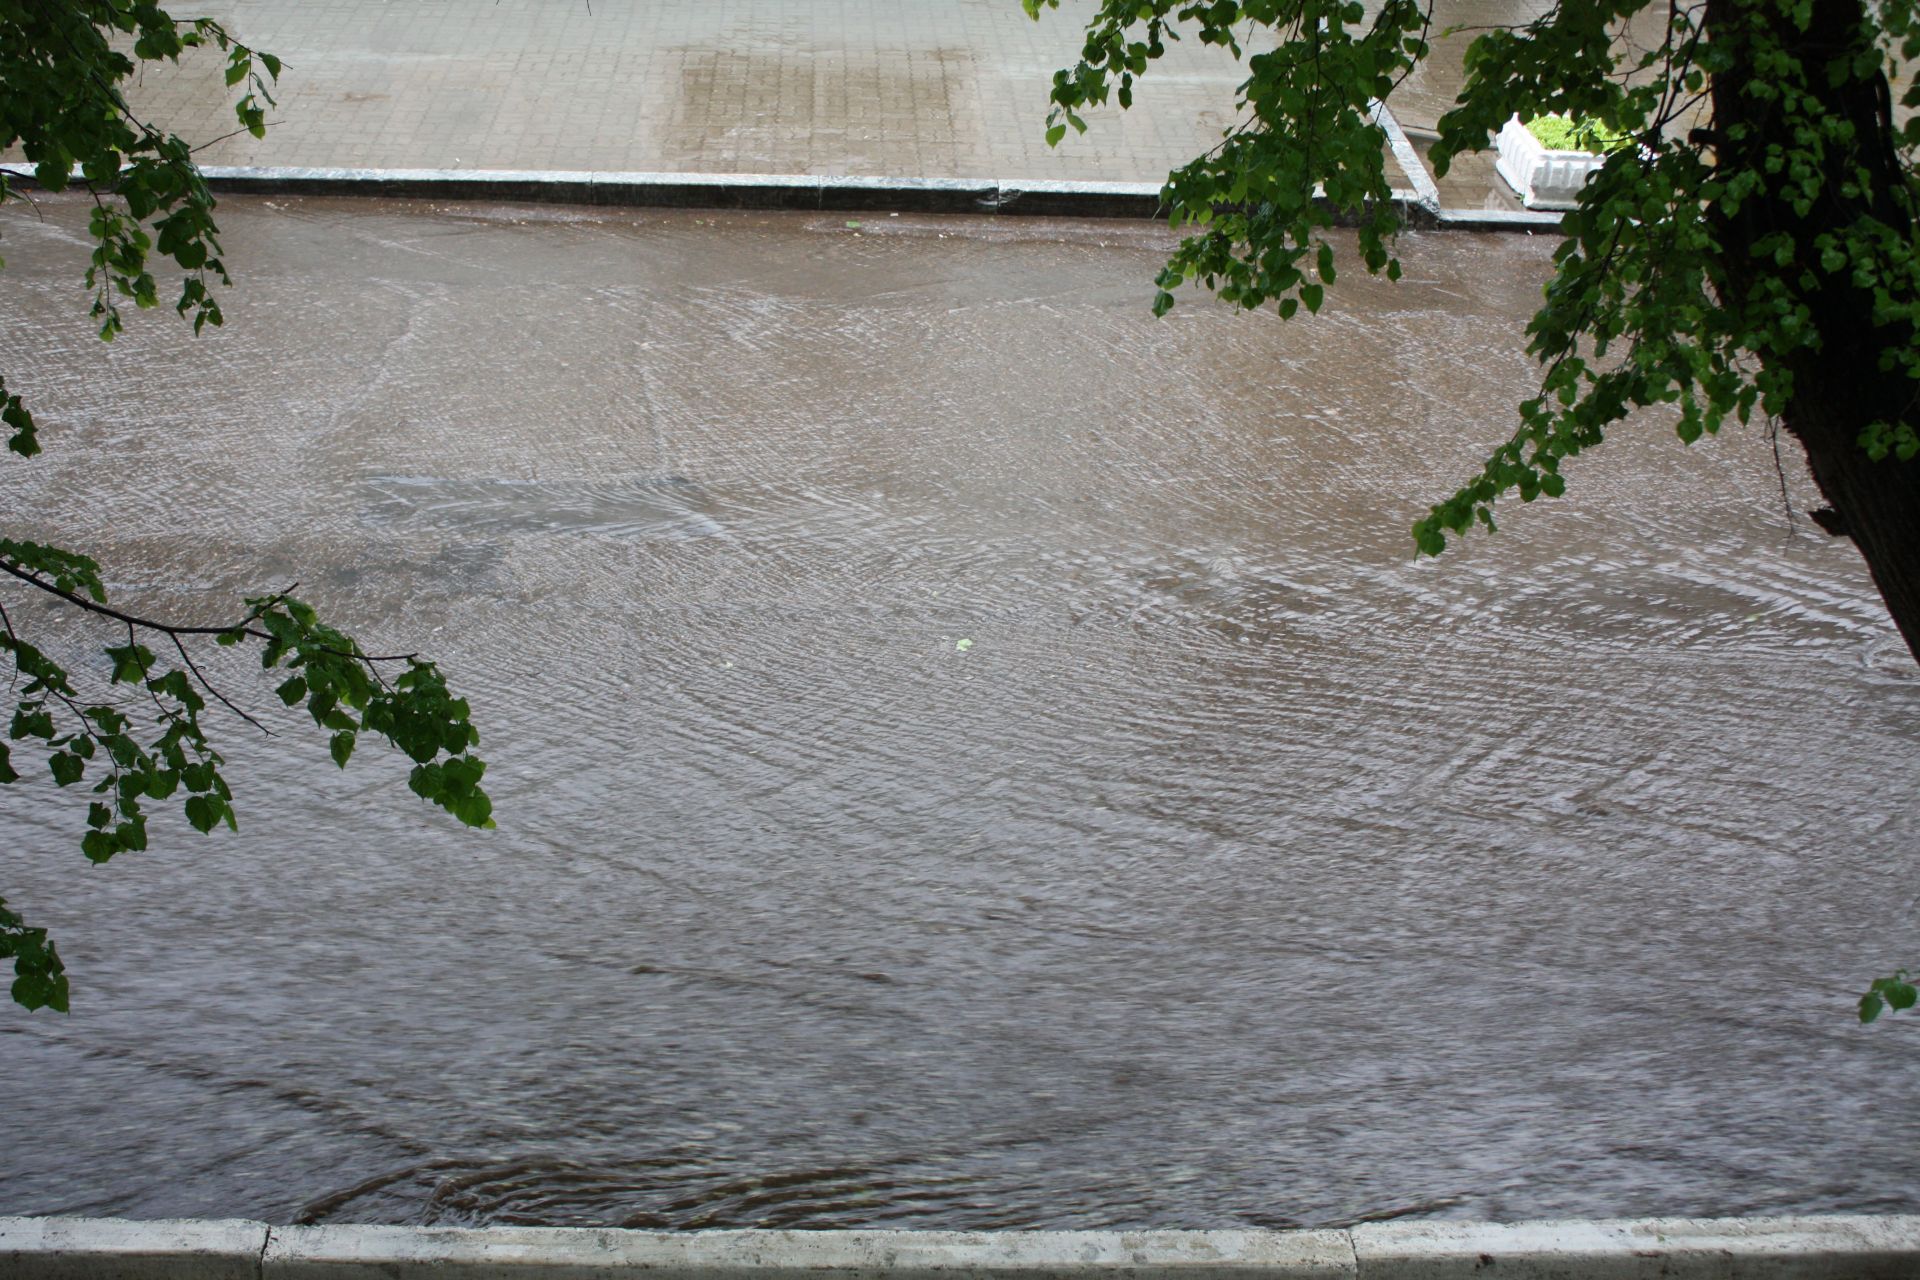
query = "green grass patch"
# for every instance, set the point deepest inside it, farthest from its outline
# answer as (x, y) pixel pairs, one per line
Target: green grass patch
(1563, 133)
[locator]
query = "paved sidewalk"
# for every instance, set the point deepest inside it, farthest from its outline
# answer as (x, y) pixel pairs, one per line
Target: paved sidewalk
(897, 88)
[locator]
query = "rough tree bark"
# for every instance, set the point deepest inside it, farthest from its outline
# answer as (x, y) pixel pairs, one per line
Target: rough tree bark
(1840, 388)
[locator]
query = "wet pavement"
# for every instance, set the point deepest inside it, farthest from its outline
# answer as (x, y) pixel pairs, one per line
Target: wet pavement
(913, 89)
(967, 754)
(920, 88)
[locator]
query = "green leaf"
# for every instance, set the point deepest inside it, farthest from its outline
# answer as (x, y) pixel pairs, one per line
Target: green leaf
(203, 811)
(40, 991)
(475, 810)
(1895, 992)
(130, 663)
(341, 747)
(66, 768)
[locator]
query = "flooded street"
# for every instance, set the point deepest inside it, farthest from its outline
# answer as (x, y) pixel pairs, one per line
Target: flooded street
(967, 754)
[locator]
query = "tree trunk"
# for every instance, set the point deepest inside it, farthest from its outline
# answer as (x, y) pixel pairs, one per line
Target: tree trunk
(1878, 502)
(1840, 388)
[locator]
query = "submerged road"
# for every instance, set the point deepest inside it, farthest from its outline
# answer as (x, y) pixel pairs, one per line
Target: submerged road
(967, 754)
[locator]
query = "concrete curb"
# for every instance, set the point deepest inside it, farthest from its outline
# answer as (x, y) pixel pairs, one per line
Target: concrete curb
(803, 192)
(1497, 220)
(108, 1249)
(1031, 197)
(767, 190)
(709, 190)
(1825, 1248)
(1425, 194)
(367, 1253)
(1806, 1248)
(1028, 197)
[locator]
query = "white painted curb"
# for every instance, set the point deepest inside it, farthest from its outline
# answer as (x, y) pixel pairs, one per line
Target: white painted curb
(1810, 1248)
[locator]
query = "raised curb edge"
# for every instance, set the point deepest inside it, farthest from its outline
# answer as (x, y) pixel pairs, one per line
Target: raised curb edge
(1858, 1247)
(801, 192)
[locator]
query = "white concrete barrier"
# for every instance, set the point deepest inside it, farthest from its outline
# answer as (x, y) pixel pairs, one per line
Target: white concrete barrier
(1811, 1248)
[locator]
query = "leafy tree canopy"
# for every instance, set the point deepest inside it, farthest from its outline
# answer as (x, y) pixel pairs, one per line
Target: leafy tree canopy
(1753, 250)
(137, 731)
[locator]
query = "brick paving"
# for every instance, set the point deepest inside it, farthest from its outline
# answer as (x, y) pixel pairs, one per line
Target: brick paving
(893, 88)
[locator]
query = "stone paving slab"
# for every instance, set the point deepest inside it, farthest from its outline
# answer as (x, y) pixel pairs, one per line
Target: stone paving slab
(897, 88)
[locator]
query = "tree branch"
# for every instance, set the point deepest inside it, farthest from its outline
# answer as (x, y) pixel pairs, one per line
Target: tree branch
(240, 628)
(208, 686)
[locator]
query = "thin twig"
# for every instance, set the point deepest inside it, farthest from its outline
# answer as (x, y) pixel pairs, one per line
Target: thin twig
(15, 193)
(208, 686)
(1779, 470)
(146, 681)
(265, 124)
(13, 681)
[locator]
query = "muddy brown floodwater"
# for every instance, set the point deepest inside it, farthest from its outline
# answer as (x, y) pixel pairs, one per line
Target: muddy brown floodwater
(1241, 869)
